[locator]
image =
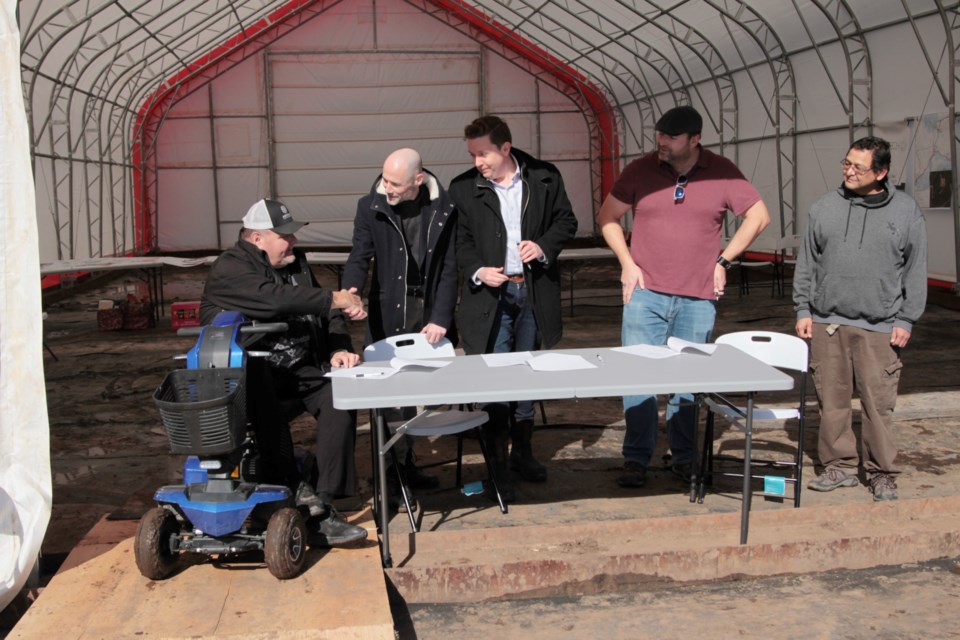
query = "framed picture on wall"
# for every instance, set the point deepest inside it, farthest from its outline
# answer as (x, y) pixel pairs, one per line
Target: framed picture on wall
(941, 189)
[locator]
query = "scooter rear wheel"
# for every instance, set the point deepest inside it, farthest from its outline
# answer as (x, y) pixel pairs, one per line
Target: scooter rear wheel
(152, 551)
(285, 546)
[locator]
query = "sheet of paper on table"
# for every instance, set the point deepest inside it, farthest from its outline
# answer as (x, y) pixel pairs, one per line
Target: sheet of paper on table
(674, 347)
(559, 362)
(396, 364)
(685, 346)
(543, 362)
(362, 372)
(508, 359)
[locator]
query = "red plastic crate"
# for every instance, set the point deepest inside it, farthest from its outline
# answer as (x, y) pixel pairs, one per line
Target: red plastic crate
(184, 314)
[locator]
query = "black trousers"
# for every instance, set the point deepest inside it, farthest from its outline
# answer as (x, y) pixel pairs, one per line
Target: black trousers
(281, 396)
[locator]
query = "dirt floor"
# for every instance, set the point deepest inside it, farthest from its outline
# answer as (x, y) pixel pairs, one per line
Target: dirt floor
(109, 452)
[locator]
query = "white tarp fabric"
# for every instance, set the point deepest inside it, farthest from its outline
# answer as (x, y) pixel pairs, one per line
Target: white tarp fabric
(25, 492)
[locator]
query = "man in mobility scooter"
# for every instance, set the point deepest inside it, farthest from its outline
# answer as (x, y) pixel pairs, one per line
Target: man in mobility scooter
(266, 279)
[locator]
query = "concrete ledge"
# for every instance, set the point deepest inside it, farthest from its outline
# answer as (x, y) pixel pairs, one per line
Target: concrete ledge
(601, 557)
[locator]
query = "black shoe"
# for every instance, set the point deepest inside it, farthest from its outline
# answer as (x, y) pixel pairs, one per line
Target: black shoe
(634, 476)
(306, 497)
(682, 471)
(333, 531)
(527, 466)
(417, 479)
(501, 472)
(395, 496)
(507, 494)
(395, 500)
(521, 452)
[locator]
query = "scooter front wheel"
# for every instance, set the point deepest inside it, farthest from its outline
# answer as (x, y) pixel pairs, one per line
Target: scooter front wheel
(285, 545)
(153, 550)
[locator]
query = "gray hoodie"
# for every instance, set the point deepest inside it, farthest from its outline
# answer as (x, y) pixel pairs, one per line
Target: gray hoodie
(863, 262)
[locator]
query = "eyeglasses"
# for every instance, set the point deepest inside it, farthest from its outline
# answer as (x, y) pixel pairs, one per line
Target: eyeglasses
(678, 191)
(857, 169)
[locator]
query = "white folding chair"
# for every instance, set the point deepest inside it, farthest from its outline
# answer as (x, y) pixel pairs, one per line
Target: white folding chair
(779, 350)
(429, 422)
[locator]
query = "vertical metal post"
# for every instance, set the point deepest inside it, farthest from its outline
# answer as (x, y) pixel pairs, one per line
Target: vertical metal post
(747, 452)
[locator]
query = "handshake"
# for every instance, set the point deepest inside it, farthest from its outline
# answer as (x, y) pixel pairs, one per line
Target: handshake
(349, 302)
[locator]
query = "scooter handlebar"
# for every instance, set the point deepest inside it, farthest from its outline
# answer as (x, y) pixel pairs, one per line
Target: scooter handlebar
(264, 327)
(257, 327)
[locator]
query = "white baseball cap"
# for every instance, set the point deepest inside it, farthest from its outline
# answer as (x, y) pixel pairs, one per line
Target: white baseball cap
(271, 214)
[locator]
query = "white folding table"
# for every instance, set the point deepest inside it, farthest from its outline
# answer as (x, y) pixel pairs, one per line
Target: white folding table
(573, 259)
(469, 379)
(151, 266)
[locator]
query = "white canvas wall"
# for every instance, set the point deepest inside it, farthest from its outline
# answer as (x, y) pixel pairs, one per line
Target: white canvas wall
(239, 117)
(311, 118)
(902, 93)
(337, 116)
(25, 482)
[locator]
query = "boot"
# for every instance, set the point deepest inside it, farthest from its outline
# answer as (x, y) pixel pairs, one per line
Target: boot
(521, 453)
(395, 494)
(306, 497)
(414, 475)
(496, 445)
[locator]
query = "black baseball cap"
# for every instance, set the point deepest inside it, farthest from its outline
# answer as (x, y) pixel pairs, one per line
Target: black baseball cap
(684, 119)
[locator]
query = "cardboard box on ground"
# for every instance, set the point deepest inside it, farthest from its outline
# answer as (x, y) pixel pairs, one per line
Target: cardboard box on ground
(135, 312)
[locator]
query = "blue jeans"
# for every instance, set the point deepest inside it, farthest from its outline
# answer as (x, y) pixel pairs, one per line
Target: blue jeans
(515, 329)
(651, 318)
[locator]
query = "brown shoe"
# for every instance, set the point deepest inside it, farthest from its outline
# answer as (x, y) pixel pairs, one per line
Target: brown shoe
(832, 478)
(883, 487)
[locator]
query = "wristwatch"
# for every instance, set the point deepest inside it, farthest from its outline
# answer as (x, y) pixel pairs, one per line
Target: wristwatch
(723, 262)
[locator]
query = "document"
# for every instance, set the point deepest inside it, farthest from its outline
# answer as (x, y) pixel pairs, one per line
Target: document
(647, 351)
(508, 359)
(685, 346)
(559, 362)
(362, 372)
(381, 372)
(674, 347)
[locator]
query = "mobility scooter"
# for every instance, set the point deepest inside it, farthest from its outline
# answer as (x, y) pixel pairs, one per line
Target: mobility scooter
(220, 509)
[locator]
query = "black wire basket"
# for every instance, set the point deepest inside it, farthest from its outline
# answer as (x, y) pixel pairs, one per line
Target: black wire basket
(204, 411)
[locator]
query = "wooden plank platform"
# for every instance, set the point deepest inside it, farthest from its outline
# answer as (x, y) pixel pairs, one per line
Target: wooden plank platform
(99, 593)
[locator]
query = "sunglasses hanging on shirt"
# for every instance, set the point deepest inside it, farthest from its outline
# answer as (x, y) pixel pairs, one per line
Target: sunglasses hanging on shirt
(680, 190)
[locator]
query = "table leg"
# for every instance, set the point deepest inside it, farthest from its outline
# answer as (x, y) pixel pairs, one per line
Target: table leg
(747, 452)
(161, 310)
(694, 459)
(337, 269)
(380, 428)
(154, 279)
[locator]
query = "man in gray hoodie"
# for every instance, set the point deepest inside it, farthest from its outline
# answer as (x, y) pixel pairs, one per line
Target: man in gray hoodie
(859, 286)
